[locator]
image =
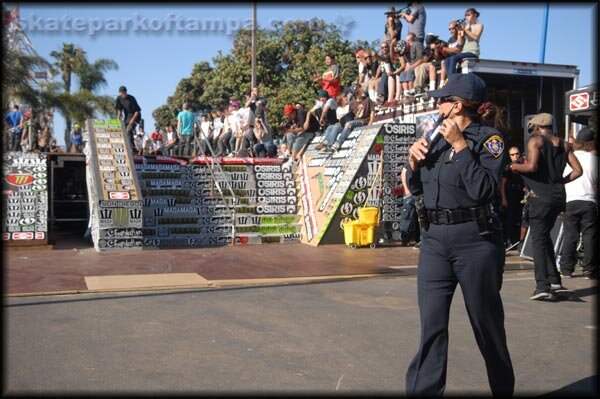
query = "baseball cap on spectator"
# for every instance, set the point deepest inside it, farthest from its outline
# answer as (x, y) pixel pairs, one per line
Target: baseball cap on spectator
(154, 136)
(542, 119)
(322, 93)
(288, 109)
(122, 89)
(391, 10)
(234, 103)
(468, 86)
(585, 134)
(361, 53)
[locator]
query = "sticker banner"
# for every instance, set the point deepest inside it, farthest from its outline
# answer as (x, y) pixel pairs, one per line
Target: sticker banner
(24, 197)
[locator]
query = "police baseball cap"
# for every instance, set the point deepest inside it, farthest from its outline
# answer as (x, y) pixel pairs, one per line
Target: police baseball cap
(585, 134)
(468, 86)
(542, 119)
(122, 89)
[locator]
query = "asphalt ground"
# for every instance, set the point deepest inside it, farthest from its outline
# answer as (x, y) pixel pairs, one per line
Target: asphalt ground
(351, 337)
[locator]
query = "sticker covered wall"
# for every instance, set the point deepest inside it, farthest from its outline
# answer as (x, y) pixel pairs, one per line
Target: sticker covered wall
(24, 198)
(326, 179)
(113, 191)
(183, 208)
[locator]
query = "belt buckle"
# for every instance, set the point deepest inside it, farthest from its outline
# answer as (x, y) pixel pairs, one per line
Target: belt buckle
(443, 217)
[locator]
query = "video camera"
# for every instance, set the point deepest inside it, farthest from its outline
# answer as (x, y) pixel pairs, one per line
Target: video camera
(460, 22)
(405, 10)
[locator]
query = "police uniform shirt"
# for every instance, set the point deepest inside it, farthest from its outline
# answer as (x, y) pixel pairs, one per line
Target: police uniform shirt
(466, 179)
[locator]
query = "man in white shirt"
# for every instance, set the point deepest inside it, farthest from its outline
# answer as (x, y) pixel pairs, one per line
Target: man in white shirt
(230, 128)
(581, 214)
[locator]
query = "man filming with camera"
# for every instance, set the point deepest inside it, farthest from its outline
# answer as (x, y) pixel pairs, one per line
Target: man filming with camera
(416, 17)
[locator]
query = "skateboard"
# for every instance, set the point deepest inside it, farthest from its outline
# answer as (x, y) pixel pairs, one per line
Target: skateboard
(562, 295)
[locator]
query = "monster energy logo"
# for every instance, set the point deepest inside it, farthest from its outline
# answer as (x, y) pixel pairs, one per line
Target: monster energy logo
(135, 213)
(120, 217)
(106, 214)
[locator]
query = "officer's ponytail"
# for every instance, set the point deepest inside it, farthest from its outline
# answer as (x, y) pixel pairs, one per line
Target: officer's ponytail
(487, 113)
(492, 115)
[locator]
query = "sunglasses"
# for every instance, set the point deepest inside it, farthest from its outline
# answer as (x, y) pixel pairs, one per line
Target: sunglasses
(443, 100)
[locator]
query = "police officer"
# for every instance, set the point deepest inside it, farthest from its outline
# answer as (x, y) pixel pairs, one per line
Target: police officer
(461, 237)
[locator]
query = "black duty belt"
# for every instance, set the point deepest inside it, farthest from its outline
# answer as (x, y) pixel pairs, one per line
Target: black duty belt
(453, 216)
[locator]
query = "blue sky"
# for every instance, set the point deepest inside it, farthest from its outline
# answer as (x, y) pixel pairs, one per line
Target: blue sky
(152, 63)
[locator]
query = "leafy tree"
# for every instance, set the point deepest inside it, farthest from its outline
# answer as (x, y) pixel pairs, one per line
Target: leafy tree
(288, 56)
(188, 90)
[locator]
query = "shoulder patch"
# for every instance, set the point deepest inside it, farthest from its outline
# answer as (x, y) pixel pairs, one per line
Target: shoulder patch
(494, 145)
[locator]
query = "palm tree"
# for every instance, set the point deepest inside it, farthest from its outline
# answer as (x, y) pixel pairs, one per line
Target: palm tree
(18, 80)
(67, 61)
(91, 76)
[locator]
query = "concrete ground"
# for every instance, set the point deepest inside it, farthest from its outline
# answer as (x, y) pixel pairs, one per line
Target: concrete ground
(351, 337)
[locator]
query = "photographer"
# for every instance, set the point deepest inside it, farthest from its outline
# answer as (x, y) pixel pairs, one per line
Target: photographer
(416, 18)
(264, 140)
(454, 47)
(470, 32)
(393, 27)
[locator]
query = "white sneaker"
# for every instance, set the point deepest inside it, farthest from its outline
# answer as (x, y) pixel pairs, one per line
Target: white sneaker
(289, 165)
(335, 147)
(231, 154)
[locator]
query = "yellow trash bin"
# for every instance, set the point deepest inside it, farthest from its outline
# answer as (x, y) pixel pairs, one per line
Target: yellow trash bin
(366, 235)
(352, 232)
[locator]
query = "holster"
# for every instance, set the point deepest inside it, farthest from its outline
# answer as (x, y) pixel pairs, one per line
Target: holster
(422, 212)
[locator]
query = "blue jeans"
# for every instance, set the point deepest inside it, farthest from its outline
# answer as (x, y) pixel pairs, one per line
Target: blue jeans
(270, 148)
(301, 140)
(331, 133)
(348, 129)
(383, 85)
(184, 145)
(454, 59)
(406, 218)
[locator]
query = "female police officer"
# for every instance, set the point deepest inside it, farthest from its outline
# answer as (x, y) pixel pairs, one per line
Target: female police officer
(461, 243)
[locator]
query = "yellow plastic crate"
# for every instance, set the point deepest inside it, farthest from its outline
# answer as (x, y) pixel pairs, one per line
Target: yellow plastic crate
(369, 216)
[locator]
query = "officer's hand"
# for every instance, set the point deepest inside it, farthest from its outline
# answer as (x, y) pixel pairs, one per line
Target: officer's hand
(417, 153)
(453, 135)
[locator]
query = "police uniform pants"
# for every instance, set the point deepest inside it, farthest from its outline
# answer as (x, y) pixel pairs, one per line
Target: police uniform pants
(451, 255)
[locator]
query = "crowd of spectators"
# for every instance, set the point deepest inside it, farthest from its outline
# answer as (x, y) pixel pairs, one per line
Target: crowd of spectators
(24, 131)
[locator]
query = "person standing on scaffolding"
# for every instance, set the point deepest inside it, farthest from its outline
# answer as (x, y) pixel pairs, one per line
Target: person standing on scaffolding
(132, 113)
